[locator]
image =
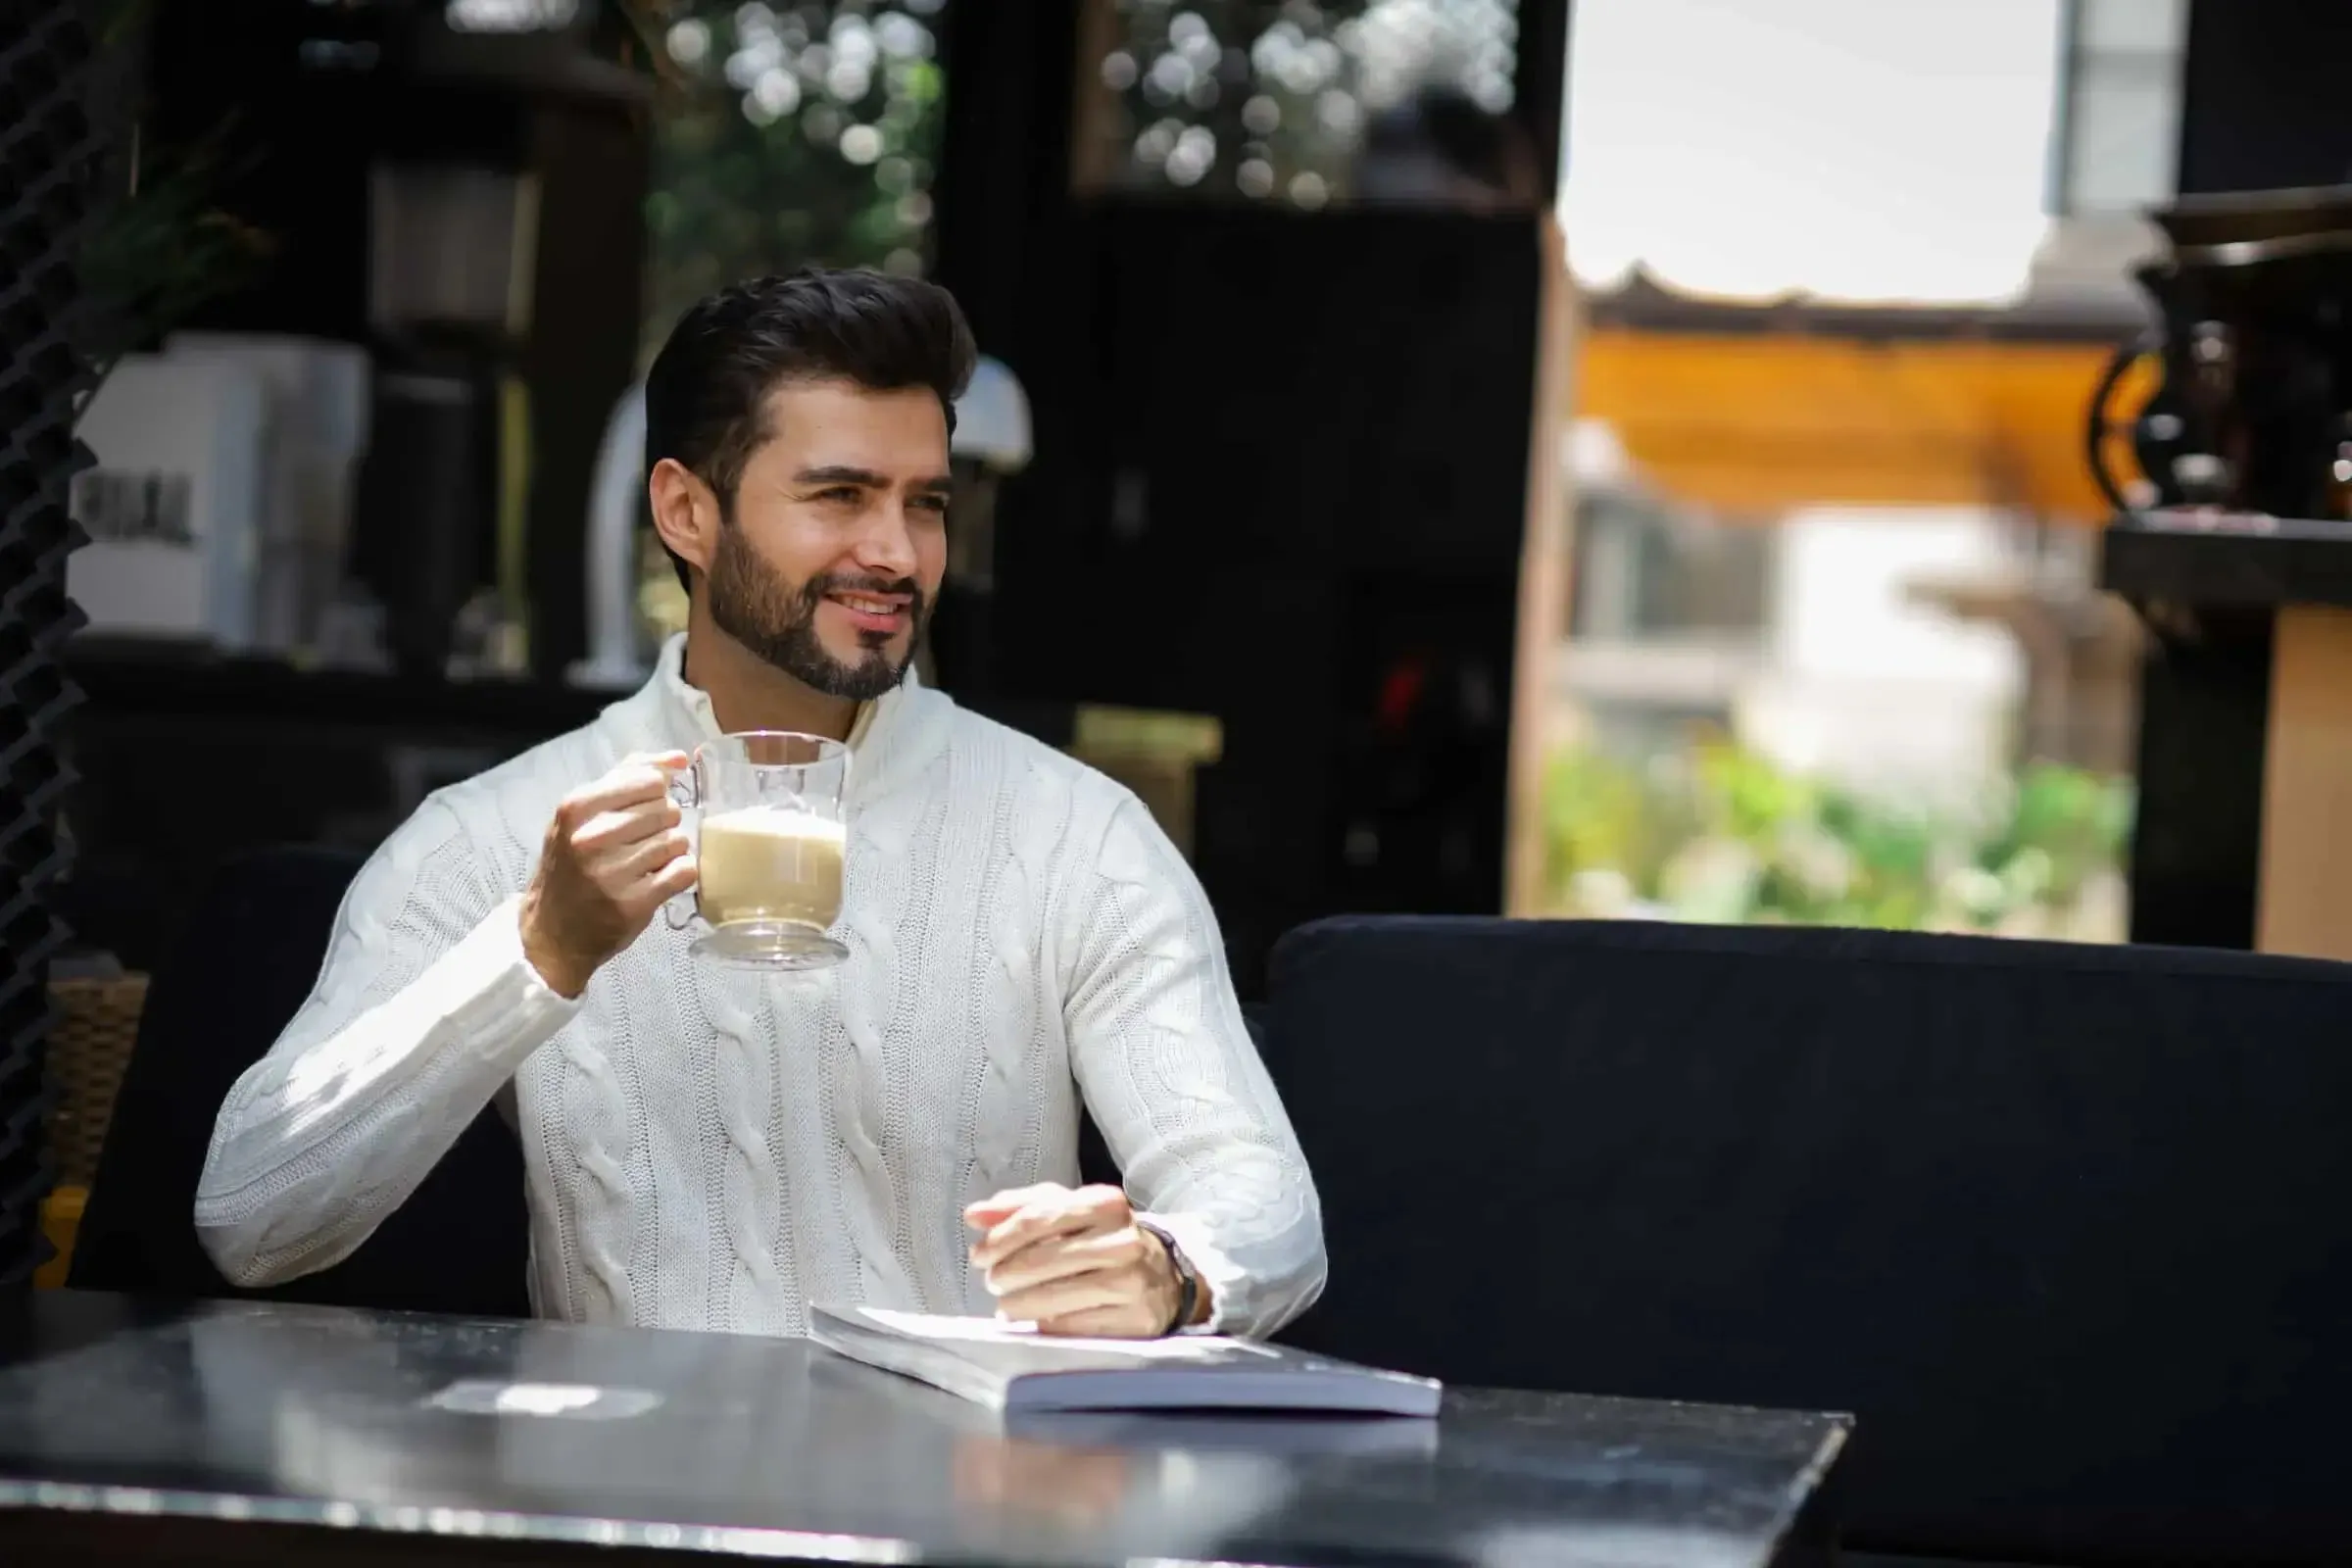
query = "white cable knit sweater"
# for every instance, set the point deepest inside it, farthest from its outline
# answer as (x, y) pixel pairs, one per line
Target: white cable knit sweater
(710, 1149)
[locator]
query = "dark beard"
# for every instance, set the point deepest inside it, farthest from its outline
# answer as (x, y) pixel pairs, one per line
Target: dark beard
(751, 604)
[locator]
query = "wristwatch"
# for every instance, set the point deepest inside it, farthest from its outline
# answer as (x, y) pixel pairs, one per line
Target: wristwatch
(1187, 1279)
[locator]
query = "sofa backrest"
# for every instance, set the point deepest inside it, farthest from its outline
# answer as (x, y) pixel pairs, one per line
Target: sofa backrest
(2068, 1228)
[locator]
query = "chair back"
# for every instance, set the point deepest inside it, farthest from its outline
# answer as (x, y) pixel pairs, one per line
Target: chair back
(92, 1028)
(245, 964)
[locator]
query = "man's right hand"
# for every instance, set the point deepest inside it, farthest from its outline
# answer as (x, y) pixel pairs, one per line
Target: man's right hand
(614, 855)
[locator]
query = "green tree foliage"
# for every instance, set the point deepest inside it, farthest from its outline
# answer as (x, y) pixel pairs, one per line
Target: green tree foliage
(1723, 834)
(787, 135)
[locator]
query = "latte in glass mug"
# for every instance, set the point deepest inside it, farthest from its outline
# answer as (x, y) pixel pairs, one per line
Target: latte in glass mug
(769, 833)
(770, 863)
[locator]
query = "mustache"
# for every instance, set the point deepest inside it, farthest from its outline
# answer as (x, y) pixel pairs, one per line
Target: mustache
(860, 582)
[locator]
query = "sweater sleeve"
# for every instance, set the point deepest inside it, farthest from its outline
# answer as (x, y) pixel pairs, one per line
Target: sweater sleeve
(1168, 1070)
(423, 1010)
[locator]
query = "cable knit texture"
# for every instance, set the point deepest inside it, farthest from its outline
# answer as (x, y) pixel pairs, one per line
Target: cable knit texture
(712, 1148)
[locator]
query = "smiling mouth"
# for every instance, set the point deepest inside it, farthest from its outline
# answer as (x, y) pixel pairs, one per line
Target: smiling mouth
(875, 618)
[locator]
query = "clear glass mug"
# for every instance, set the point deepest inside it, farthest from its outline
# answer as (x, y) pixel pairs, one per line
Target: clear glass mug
(765, 815)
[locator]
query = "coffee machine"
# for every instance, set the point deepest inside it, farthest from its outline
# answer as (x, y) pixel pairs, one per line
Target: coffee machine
(2252, 413)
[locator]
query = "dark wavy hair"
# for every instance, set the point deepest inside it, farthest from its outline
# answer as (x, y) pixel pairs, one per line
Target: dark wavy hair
(706, 398)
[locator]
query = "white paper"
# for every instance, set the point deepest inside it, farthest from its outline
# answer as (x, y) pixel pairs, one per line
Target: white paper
(996, 1331)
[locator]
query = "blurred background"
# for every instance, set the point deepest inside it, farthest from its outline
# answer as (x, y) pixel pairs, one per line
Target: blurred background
(1447, 454)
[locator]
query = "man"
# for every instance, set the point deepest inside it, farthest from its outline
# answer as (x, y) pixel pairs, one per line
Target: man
(713, 1148)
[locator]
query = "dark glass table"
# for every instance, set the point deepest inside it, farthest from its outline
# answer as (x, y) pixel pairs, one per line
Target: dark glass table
(135, 1432)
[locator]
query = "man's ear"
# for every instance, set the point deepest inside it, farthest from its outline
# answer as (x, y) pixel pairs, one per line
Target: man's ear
(685, 513)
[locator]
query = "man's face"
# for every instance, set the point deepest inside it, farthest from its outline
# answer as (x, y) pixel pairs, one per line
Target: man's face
(830, 562)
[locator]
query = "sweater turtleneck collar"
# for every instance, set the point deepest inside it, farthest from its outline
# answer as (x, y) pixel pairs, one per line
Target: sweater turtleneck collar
(890, 731)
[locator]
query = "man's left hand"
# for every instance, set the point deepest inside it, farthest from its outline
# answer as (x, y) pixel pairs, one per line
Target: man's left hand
(1075, 1262)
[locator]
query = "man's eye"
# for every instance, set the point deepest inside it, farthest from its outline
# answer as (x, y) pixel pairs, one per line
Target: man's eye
(932, 504)
(845, 494)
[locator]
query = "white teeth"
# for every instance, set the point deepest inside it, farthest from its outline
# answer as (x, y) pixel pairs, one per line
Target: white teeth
(870, 606)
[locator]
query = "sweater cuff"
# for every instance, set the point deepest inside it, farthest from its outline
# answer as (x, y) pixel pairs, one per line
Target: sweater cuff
(1221, 1277)
(495, 1001)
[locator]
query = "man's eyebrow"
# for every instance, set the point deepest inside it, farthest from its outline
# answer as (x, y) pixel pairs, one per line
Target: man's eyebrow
(868, 479)
(837, 473)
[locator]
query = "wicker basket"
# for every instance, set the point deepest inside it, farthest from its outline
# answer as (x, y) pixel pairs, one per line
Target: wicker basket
(97, 1021)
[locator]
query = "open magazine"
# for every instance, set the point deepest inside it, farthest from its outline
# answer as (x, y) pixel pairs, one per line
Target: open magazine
(1010, 1366)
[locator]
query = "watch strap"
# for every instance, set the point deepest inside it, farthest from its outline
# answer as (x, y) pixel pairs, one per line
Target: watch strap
(1187, 1281)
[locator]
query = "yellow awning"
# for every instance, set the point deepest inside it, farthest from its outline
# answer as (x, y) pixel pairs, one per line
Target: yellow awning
(1759, 423)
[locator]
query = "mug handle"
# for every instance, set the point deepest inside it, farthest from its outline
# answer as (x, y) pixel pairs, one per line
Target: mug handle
(679, 912)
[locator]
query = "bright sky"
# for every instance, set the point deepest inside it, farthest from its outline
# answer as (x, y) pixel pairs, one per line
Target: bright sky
(1855, 149)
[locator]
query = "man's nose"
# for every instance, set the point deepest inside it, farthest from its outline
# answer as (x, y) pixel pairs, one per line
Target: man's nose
(887, 546)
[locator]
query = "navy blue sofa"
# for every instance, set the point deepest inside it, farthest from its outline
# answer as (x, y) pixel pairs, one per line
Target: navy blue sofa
(2067, 1229)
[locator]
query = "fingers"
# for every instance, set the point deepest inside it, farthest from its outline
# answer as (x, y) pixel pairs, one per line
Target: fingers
(1101, 1302)
(628, 805)
(1063, 1257)
(1052, 1211)
(637, 781)
(611, 857)
(642, 879)
(678, 877)
(989, 1212)
(620, 829)
(633, 862)
(641, 776)
(1071, 1261)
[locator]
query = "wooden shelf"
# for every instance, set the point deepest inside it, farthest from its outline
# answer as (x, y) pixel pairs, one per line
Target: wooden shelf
(2227, 560)
(123, 680)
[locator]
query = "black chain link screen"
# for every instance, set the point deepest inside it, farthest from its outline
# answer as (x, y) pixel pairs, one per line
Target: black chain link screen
(48, 157)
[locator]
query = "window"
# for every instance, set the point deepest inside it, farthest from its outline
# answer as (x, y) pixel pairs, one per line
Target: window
(1647, 571)
(2118, 136)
